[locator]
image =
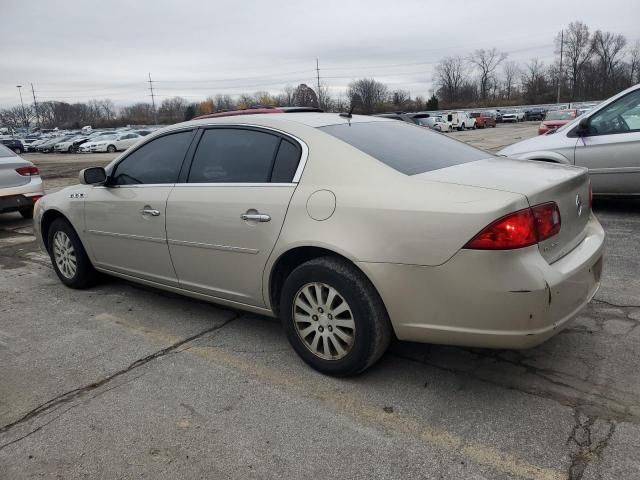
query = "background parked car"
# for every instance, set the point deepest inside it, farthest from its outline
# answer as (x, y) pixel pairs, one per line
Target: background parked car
(556, 119)
(13, 144)
(483, 119)
(433, 122)
(111, 143)
(459, 120)
(20, 184)
(606, 140)
(511, 115)
(535, 113)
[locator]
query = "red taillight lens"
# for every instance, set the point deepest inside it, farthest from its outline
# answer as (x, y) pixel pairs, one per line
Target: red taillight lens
(548, 221)
(28, 171)
(515, 230)
(519, 229)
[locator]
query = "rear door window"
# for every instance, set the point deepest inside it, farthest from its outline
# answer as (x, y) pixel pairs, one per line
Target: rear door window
(408, 149)
(227, 155)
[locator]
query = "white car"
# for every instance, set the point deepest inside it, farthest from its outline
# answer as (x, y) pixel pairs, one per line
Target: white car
(111, 143)
(350, 228)
(20, 184)
(433, 122)
(605, 139)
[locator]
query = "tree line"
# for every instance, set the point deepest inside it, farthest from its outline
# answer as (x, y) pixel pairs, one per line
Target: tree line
(595, 65)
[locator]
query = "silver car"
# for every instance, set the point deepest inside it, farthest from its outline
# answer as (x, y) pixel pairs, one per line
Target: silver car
(20, 184)
(351, 229)
(606, 140)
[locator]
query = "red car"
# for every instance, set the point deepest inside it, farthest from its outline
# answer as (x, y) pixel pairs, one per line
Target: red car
(258, 109)
(555, 119)
(483, 120)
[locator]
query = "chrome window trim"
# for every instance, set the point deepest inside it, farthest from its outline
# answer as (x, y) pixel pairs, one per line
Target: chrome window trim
(296, 176)
(234, 184)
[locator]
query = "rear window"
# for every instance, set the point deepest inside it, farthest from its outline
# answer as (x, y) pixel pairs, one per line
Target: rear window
(408, 149)
(560, 115)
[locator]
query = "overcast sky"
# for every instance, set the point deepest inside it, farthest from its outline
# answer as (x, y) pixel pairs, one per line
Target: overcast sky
(78, 50)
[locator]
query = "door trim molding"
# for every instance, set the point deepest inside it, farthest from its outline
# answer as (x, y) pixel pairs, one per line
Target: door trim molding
(228, 248)
(128, 235)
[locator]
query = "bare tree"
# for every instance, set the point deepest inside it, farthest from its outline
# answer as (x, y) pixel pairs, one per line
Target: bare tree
(608, 48)
(304, 96)
(510, 70)
(367, 94)
(577, 49)
(451, 74)
(486, 61)
(400, 99)
(534, 81)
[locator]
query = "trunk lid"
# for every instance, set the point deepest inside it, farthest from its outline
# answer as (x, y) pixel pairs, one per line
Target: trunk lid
(8, 175)
(540, 182)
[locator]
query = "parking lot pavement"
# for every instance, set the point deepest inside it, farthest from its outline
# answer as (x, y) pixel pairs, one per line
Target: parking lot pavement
(121, 381)
(494, 139)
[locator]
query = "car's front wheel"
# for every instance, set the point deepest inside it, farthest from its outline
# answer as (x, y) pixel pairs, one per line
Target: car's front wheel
(111, 149)
(333, 316)
(68, 256)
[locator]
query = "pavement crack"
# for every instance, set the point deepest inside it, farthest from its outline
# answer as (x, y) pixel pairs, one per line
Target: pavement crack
(586, 446)
(611, 304)
(64, 398)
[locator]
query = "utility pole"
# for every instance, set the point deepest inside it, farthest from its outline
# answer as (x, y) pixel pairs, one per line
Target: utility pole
(153, 101)
(318, 79)
(24, 114)
(35, 106)
(560, 71)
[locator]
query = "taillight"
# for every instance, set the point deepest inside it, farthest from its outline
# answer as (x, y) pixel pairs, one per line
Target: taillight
(28, 171)
(519, 229)
(548, 222)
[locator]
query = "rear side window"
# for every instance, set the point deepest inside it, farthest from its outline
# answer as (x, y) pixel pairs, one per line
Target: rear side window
(408, 149)
(286, 162)
(227, 155)
(156, 162)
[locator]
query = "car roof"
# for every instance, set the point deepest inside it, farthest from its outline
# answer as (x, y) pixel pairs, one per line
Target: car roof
(311, 119)
(258, 110)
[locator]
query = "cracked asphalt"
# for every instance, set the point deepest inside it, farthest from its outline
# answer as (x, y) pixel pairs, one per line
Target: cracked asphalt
(122, 381)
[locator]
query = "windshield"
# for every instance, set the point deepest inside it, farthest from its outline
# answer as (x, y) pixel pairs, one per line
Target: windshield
(474, 115)
(559, 115)
(104, 137)
(404, 147)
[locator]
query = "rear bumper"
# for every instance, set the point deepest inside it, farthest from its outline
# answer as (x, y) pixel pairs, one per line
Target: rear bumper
(17, 198)
(503, 299)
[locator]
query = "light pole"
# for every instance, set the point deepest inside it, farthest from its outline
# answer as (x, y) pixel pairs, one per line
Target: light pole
(24, 115)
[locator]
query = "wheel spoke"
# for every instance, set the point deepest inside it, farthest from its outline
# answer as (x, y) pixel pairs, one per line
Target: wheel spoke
(343, 307)
(345, 323)
(336, 344)
(300, 303)
(348, 339)
(314, 343)
(330, 297)
(304, 333)
(309, 296)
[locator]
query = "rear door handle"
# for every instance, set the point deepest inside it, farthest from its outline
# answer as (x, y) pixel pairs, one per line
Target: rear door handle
(255, 217)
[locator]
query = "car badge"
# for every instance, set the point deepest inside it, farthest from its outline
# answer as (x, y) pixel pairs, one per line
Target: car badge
(579, 204)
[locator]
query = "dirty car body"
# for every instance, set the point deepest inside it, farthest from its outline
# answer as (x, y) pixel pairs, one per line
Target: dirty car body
(446, 243)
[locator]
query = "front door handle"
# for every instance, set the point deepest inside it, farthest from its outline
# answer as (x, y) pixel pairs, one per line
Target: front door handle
(253, 216)
(147, 210)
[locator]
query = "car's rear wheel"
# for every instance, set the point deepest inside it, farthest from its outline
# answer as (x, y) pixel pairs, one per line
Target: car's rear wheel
(111, 149)
(17, 150)
(68, 256)
(333, 316)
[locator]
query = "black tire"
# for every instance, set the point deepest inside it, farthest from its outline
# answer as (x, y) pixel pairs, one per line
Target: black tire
(70, 149)
(18, 150)
(111, 149)
(372, 326)
(26, 212)
(85, 275)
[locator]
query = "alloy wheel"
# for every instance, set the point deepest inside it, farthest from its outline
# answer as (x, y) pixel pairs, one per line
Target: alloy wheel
(324, 321)
(64, 254)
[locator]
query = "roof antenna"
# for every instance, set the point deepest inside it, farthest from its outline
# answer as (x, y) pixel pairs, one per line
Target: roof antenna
(349, 114)
(354, 101)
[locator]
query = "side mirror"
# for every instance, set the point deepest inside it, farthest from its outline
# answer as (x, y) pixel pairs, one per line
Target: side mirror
(583, 127)
(93, 176)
